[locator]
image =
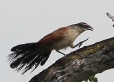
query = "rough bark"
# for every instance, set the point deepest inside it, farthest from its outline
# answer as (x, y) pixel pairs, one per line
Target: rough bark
(80, 64)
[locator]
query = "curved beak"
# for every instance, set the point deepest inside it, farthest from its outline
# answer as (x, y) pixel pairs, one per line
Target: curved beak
(90, 28)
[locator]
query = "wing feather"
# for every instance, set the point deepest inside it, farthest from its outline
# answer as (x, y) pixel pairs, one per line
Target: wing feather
(49, 39)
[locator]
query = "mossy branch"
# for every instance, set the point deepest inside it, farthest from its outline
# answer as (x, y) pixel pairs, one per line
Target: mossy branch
(80, 64)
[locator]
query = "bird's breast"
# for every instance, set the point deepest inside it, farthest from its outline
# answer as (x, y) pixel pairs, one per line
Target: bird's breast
(68, 38)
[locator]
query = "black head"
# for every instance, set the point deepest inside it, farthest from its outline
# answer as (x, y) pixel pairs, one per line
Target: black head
(85, 25)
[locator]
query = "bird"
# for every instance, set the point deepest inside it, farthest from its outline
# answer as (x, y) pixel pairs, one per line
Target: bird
(30, 55)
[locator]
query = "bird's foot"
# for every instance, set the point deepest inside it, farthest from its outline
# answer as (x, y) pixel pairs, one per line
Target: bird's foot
(80, 43)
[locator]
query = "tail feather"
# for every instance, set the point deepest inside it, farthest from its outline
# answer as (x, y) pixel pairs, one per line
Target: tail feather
(24, 47)
(40, 58)
(28, 56)
(45, 58)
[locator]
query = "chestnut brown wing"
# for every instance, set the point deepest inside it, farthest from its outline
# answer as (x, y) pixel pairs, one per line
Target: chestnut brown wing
(53, 37)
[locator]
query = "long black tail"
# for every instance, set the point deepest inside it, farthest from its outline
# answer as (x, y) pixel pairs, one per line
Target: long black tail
(28, 55)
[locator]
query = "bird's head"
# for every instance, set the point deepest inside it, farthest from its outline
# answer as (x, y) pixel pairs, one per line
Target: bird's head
(85, 26)
(82, 26)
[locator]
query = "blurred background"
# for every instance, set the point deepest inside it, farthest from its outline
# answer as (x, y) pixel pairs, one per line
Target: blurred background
(24, 21)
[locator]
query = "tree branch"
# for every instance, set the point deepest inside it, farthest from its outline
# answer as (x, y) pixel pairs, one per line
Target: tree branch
(80, 64)
(110, 16)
